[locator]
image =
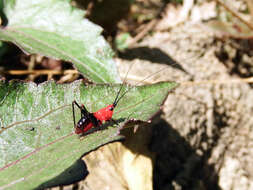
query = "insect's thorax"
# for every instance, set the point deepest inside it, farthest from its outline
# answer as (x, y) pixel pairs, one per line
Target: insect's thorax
(104, 114)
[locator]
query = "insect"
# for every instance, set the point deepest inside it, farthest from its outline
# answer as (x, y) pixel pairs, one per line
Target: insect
(89, 120)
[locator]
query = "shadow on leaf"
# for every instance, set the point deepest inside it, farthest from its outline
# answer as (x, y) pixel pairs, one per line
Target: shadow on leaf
(78, 171)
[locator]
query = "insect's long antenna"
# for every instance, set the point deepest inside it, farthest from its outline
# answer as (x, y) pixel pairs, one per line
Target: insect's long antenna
(116, 99)
(138, 84)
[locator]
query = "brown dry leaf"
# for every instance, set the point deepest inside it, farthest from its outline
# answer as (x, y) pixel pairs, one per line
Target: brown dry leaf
(122, 166)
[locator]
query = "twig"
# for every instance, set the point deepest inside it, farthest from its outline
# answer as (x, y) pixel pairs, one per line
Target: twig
(39, 72)
(147, 28)
(235, 14)
(250, 6)
(143, 33)
(231, 81)
(191, 83)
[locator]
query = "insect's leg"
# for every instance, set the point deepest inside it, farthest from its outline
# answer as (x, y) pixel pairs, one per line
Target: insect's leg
(115, 122)
(84, 111)
(74, 102)
(73, 111)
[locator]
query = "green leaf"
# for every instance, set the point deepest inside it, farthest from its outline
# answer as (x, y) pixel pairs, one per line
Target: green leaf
(37, 142)
(55, 29)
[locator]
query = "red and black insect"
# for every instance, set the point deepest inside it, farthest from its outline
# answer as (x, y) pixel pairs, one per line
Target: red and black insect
(89, 120)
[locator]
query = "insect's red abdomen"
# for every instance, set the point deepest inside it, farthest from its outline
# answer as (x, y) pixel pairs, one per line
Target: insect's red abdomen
(80, 130)
(104, 114)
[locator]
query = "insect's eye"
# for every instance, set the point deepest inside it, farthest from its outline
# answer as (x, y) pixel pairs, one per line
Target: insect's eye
(111, 108)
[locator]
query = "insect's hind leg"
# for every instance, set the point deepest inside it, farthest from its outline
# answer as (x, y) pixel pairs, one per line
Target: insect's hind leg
(114, 121)
(73, 111)
(83, 110)
(75, 103)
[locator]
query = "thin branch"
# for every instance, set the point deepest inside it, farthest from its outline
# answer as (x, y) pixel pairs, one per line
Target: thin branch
(249, 80)
(39, 72)
(148, 27)
(235, 14)
(143, 33)
(229, 81)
